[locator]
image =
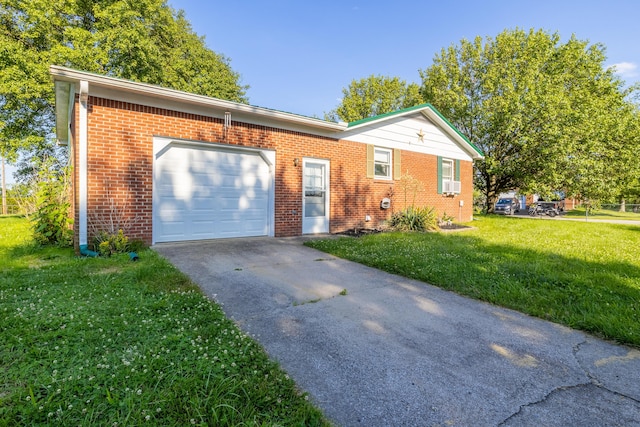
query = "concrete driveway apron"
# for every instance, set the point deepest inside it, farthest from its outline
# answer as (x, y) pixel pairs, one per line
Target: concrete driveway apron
(397, 352)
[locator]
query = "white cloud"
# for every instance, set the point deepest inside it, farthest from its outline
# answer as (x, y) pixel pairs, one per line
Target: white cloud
(627, 70)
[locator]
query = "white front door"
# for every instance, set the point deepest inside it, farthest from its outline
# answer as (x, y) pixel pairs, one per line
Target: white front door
(315, 196)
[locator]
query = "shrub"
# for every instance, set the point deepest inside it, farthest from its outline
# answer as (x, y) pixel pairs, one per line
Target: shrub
(445, 220)
(414, 219)
(410, 185)
(51, 221)
(106, 243)
(110, 228)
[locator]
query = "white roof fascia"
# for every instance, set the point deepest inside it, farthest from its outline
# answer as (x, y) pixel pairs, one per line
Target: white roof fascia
(274, 118)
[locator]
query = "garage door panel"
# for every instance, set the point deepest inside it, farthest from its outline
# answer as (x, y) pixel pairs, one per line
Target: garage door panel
(203, 227)
(204, 203)
(172, 229)
(255, 226)
(241, 208)
(169, 216)
(234, 203)
(201, 180)
(205, 194)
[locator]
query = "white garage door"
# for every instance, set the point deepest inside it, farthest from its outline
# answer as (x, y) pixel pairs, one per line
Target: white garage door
(204, 193)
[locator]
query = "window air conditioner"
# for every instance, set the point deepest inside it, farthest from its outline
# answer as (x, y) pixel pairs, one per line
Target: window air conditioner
(451, 187)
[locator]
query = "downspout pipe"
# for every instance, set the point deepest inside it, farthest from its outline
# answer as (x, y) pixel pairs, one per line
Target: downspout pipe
(83, 167)
(85, 251)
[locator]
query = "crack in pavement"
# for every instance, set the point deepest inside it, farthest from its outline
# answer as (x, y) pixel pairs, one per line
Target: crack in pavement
(576, 350)
(542, 400)
(593, 378)
(593, 381)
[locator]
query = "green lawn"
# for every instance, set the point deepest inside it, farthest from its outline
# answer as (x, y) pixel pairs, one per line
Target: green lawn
(603, 214)
(108, 342)
(584, 275)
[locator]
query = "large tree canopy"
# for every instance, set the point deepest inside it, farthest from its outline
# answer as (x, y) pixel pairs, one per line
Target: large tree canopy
(374, 95)
(547, 115)
(142, 40)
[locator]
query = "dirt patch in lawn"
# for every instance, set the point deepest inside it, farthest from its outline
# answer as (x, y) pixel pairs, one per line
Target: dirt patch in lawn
(359, 232)
(455, 227)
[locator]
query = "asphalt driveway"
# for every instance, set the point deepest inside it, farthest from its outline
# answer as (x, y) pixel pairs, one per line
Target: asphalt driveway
(397, 352)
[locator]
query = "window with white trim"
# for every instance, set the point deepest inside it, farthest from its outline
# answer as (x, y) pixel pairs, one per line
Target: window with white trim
(447, 170)
(382, 163)
(448, 176)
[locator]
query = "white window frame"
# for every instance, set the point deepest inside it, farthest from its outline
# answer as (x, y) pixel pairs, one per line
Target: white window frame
(452, 165)
(449, 184)
(389, 153)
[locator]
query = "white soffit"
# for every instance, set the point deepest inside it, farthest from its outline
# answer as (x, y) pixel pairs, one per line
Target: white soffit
(63, 91)
(156, 96)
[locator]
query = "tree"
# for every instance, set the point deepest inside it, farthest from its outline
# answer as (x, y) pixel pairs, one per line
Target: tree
(539, 110)
(23, 99)
(604, 167)
(628, 176)
(34, 157)
(373, 96)
(143, 40)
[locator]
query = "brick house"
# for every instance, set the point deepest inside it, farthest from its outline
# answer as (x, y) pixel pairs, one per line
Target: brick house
(171, 166)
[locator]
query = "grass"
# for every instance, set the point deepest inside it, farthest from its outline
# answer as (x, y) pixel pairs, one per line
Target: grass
(583, 275)
(110, 342)
(603, 214)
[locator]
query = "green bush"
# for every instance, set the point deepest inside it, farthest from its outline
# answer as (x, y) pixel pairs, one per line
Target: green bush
(415, 219)
(107, 244)
(51, 221)
(445, 220)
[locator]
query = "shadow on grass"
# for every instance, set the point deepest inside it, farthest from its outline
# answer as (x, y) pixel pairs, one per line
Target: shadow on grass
(30, 254)
(604, 214)
(631, 227)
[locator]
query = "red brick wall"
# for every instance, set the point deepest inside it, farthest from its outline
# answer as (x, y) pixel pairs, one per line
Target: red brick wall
(120, 159)
(425, 169)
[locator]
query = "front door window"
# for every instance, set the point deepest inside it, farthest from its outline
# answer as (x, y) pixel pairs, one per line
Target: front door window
(315, 196)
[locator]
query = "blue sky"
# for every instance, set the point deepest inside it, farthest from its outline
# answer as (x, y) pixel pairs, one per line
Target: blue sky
(297, 56)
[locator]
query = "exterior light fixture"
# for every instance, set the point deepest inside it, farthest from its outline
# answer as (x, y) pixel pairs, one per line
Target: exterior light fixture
(227, 120)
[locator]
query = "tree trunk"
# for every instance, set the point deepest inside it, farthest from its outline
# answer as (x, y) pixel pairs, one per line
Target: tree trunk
(623, 205)
(491, 194)
(491, 201)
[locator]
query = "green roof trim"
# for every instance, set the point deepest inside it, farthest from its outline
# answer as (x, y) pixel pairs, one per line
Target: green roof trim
(416, 108)
(390, 114)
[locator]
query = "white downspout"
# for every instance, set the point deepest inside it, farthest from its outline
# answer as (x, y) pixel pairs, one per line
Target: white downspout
(82, 154)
